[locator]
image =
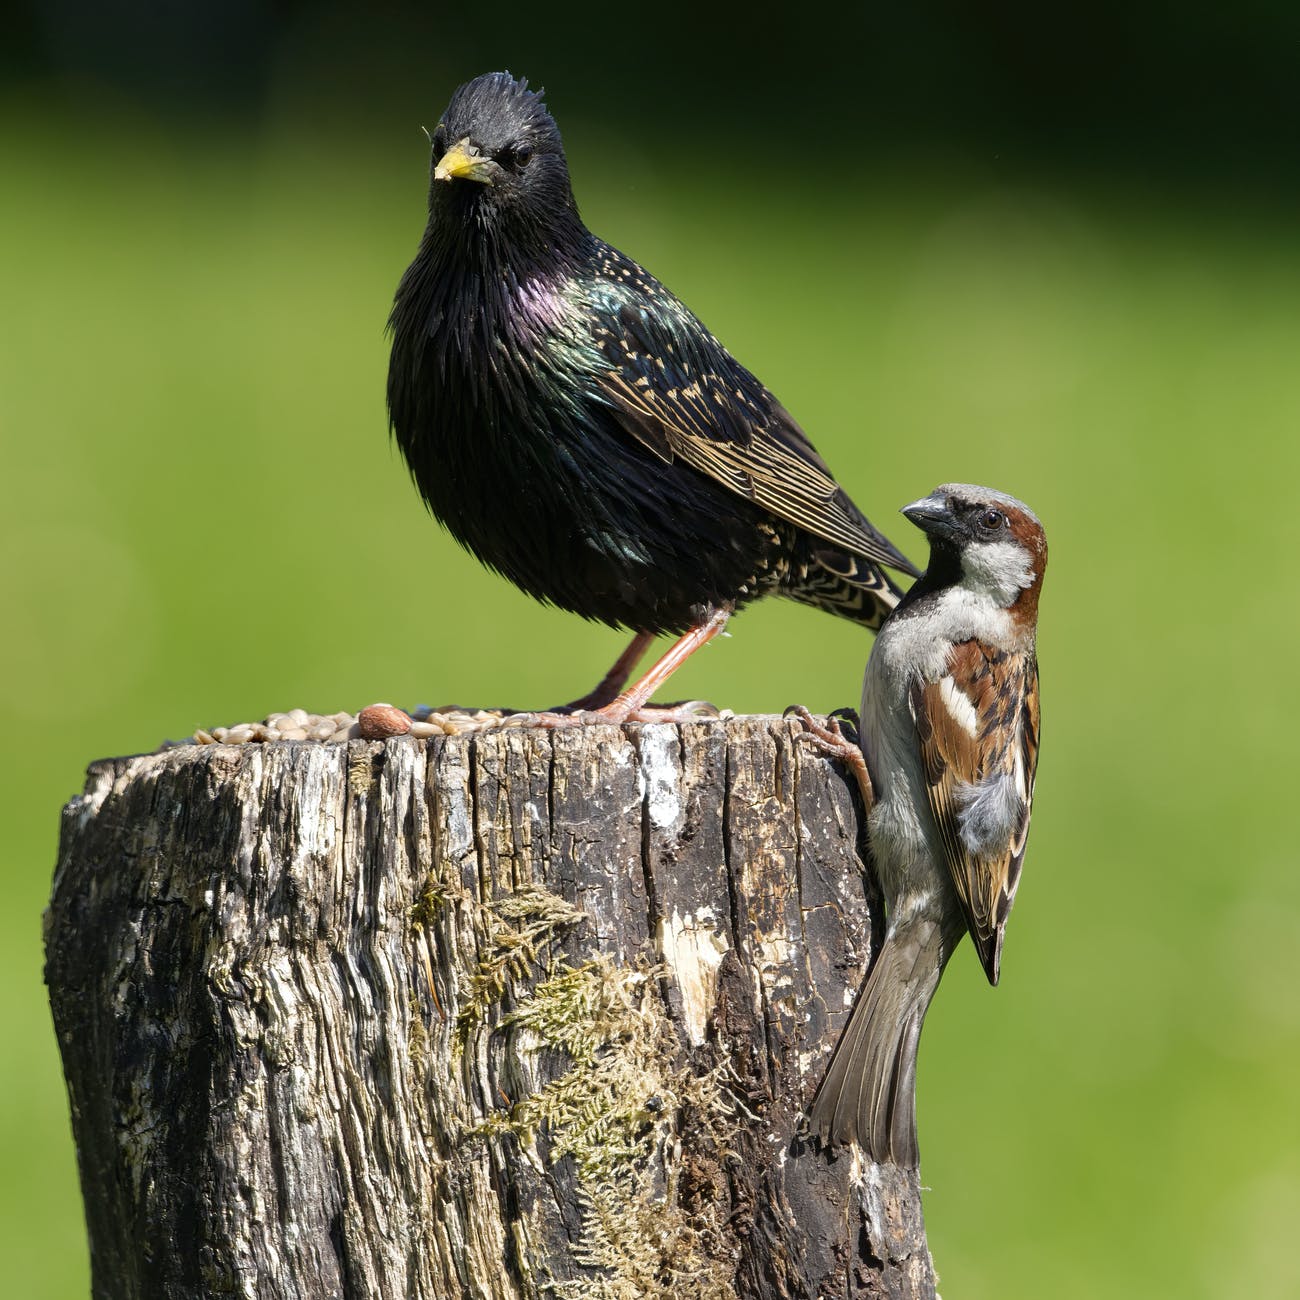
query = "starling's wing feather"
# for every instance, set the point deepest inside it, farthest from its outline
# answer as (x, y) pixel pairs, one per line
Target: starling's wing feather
(977, 729)
(675, 388)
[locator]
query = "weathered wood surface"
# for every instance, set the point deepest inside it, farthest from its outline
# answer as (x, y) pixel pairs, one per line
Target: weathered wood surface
(517, 1014)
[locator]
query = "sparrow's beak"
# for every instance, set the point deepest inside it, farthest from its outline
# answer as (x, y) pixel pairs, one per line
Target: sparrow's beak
(462, 162)
(932, 516)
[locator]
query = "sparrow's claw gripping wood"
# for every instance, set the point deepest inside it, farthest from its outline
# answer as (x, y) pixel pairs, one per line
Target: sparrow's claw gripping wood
(829, 740)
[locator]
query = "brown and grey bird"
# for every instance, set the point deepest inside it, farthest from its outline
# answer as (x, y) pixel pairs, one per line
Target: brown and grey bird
(579, 430)
(950, 739)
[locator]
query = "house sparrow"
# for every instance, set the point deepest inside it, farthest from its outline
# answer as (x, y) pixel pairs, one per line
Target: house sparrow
(950, 740)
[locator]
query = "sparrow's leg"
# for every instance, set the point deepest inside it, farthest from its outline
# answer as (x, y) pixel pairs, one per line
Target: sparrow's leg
(834, 744)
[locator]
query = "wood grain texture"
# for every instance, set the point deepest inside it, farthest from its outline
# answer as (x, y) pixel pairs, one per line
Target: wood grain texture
(516, 1014)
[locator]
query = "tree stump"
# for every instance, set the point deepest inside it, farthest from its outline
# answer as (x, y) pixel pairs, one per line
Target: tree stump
(520, 1013)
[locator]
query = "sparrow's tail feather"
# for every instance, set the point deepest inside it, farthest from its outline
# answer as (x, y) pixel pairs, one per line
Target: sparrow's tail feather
(868, 1094)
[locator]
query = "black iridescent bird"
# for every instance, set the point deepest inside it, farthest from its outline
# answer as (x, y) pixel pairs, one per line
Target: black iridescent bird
(579, 430)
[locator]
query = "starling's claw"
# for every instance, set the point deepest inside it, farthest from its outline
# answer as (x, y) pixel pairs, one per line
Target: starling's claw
(554, 720)
(686, 711)
(612, 715)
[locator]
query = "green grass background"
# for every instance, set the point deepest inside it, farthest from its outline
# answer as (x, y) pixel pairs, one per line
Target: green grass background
(203, 521)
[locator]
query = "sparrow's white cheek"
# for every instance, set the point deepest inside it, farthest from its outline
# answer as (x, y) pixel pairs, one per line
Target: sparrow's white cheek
(1000, 568)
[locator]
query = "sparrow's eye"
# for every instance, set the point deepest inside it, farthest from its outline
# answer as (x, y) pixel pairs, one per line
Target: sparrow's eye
(992, 520)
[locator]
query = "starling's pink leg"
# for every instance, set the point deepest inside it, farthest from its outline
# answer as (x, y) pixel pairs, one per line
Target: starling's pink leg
(630, 705)
(616, 678)
(627, 704)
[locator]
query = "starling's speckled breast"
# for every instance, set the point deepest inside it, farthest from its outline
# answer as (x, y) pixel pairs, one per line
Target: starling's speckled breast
(532, 472)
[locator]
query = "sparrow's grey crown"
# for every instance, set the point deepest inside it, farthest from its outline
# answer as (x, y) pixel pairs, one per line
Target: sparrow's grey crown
(970, 494)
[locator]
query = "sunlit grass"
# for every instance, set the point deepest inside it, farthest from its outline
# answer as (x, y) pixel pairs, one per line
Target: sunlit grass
(203, 521)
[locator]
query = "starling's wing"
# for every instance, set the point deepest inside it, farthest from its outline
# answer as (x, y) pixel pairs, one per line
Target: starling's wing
(977, 729)
(677, 389)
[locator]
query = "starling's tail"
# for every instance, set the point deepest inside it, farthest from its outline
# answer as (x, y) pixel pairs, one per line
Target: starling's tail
(847, 585)
(868, 1094)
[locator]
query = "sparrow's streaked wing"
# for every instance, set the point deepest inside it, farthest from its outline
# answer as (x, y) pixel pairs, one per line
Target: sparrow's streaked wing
(977, 730)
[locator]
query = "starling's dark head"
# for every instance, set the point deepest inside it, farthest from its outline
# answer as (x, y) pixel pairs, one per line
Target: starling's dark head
(498, 165)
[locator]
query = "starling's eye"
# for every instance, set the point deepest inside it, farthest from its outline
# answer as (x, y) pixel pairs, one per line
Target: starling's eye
(992, 520)
(520, 155)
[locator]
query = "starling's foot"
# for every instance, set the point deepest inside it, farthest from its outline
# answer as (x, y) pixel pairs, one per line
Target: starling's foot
(618, 712)
(685, 711)
(557, 719)
(830, 741)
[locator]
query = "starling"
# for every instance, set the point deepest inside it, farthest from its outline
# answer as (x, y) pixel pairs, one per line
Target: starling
(578, 429)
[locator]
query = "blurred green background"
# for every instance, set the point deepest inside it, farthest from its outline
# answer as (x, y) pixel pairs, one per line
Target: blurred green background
(1054, 254)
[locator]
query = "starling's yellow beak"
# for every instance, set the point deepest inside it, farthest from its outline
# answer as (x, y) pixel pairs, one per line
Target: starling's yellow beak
(462, 162)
